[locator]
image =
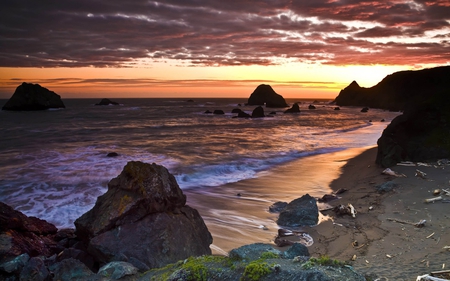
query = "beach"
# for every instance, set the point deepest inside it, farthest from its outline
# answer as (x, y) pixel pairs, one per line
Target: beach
(375, 242)
(381, 245)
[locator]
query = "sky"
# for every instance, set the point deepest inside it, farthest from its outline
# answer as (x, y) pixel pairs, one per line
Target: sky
(216, 48)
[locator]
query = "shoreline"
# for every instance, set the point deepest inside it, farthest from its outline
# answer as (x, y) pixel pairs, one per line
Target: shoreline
(374, 245)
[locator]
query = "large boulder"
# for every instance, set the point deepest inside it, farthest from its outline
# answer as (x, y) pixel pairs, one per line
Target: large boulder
(144, 216)
(399, 90)
(300, 212)
(258, 112)
(264, 94)
(419, 134)
(29, 97)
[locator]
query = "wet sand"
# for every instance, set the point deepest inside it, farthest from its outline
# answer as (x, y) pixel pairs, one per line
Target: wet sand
(384, 249)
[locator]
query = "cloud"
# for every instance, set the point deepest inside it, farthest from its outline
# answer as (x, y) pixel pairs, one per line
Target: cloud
(123, 34)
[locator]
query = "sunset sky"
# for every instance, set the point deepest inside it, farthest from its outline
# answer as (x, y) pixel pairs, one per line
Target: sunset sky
(216, 48)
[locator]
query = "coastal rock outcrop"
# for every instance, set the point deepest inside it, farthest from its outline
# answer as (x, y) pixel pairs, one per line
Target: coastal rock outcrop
(294, 109)
(399, 90)
(300, 212)
(258, 112)
(107, 102)
(264, 94)
(29, 97)
(419, 134)
(144, 216)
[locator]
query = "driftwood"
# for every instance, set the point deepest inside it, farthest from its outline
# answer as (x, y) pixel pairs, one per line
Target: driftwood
(431, 200)
(420, 174)
(419, 224)
(388, 171)
(427, 277)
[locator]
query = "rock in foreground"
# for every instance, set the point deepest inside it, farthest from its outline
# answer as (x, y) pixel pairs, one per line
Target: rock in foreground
(29, 97)
(143, 216)
(300, 212)
(264, 94)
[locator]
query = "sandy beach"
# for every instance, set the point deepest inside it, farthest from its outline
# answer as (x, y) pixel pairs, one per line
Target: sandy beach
(381, 244)
(375, 243)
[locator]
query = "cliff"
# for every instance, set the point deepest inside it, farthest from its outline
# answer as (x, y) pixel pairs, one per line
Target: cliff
(399, 90)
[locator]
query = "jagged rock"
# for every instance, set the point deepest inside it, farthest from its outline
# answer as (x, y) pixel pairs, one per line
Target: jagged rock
(297, 249)
(294, 109)
(141, 189)
(20, 234)
(143, 216)
(300, 212)
(116, 270)
(107, 102)
(72, 270)
(34, 270)
(243, 114)
(258, 112)
(264, 94)
(277, 207)
(252, 251)
(399, 90)
(15, 265)
(420, 134)
(28, 97)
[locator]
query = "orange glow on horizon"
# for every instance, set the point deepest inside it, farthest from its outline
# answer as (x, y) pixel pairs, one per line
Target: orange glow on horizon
(293, 80)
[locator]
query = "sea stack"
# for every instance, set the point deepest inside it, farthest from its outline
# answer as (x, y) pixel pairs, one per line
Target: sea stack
(30, 97)
(264, 94)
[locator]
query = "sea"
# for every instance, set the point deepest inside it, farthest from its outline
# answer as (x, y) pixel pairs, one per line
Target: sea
(54, 163)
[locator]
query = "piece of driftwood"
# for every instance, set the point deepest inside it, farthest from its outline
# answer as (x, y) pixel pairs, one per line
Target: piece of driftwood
(418, 224)
(431, 200)
(389, 172)
(420, 174)
(427, 277)
(352, 210)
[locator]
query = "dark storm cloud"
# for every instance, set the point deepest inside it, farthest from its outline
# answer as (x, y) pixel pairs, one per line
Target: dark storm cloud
(215, 32)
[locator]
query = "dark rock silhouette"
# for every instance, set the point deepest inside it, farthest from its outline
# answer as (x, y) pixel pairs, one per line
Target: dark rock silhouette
(243, 114)
(258, 112)
(208, 112)
(264, 94)
(311, 106)
(294, 109)
(398, 90)
(337, 108)
(29, 97)
(236, 110)
(300, 212)
(107, 102)
(219, 112)
(365, 109)
(144, 216)
(419, 134)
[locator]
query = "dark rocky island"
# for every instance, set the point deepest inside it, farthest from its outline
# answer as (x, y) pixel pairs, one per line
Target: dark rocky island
(107, 102)
(30, 97)
(265, 95)
(398, 90)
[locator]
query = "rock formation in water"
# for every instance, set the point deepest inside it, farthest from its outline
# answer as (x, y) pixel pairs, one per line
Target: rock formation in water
(143, 216)
(398, 90)
(28, 97)
(294, 109)
(107, 102)
(264, 94)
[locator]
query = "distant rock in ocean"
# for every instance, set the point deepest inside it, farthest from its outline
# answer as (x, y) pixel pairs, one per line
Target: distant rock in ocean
(294, 109)
(264, 94)
(29, 97)
(398, 90)
(107, 102)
